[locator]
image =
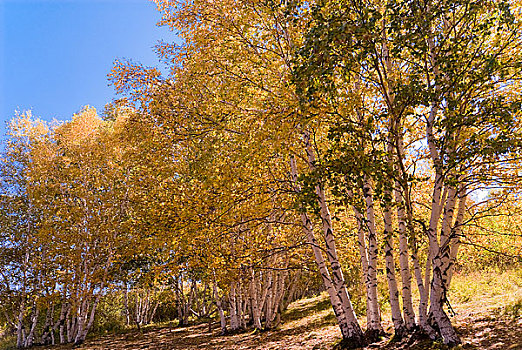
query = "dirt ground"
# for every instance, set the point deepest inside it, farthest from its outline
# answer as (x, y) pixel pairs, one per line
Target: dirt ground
(309, 324)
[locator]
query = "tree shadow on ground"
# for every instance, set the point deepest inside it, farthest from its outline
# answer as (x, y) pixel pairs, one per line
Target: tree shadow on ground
(310, 324)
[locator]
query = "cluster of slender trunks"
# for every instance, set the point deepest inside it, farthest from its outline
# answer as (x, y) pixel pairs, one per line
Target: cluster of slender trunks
(447, 210)
(257, 298)
(70, 324)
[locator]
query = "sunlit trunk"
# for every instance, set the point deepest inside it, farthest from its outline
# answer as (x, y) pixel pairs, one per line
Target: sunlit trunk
(254, 302)
(234, 322)
(20, 336)
(348, 330)
(363, 252)
(353, 331)
(407, 303)
(398, 322)
(374, 326)
(442, 321)
(219, 305)
(455, 238)
(34, 320)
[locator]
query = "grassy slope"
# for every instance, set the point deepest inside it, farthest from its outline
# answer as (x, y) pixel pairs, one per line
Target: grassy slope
(488, 310)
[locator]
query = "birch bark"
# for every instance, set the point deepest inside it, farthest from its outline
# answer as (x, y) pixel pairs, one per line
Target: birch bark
(363, 252)
(20, 324)
(222, 320)
(47, 327)
(34, 320)
(375, 327)
(256, 312)
(353, 329)
(397, 320)
(441, 319)
(455, 237)
(407, 303)
(234, 324)
(335, 300)
(82, 333)
(64, 310)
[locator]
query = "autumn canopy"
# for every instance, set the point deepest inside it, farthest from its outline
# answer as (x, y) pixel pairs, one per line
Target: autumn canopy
(354, 147)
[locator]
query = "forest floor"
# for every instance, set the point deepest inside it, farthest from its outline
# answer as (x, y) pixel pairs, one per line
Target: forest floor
(488, 315)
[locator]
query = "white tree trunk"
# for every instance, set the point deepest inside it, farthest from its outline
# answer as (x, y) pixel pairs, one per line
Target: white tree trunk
(64, 310)
(82, 319)
(47, 327)
(272, 318)
(335, 300)
(373, 250)
(20, 336)
(353, 330)
(254, 302)
(398, 322)
(363, 252)
(234, 322)
(442, 321)
(455, 237)
(239, 308)
(217, 298)
(34, 320)
(407, 303)
(90, 322)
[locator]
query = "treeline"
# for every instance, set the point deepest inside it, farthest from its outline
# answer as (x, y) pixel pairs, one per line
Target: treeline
(292, 147)
(84, 214)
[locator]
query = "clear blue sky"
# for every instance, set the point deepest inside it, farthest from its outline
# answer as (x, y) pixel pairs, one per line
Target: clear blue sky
(55, 54)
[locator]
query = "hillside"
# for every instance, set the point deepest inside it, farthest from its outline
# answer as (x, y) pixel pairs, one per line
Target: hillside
(487, 316)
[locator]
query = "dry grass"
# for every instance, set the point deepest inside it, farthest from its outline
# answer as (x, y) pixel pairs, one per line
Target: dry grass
(488, 316)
